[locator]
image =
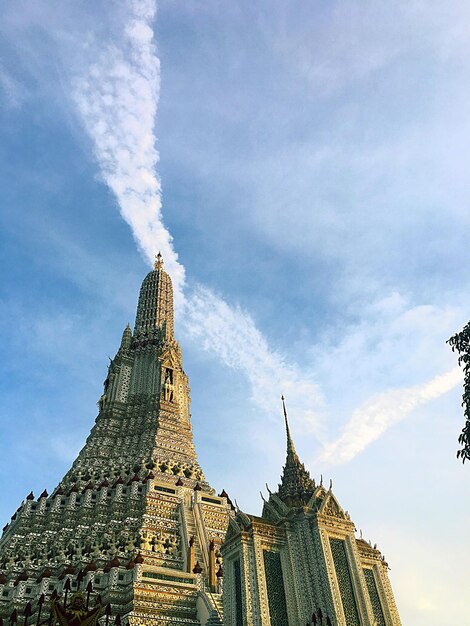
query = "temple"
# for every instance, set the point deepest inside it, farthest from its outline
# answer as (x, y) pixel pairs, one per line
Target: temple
(134, 534)
(300, 562)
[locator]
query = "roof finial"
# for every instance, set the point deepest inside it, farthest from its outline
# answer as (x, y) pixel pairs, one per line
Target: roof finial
(158, 265)
(284, 406)
(291, 452)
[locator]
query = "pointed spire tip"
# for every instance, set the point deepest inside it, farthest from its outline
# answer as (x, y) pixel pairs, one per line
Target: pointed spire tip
(291, 452)
(284, 406)
(158, 265)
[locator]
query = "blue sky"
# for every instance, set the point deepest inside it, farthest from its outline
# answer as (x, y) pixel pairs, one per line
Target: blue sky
(303, 167)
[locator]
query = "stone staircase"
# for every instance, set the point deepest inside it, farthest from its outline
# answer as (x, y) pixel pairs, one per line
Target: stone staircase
(188, 516)
(213, 604)
(217, 597)
(216, 617)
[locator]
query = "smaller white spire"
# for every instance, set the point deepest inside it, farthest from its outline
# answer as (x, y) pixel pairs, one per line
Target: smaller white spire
(291, 452)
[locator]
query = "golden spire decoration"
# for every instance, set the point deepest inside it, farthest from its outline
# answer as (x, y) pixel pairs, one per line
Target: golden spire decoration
(158, 265)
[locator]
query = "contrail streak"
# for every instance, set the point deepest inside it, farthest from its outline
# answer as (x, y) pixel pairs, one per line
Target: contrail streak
(117, 97)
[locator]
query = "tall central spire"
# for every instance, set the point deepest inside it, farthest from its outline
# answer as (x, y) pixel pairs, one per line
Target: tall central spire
(155, 306)
(135, 493)
(144, 409)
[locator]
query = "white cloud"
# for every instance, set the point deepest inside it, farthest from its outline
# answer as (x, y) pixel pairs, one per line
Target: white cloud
(117, 97)
(393, 342)
(380, 412)
(230, 333)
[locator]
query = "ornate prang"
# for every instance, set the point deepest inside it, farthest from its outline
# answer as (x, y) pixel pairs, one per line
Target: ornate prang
(119, 522)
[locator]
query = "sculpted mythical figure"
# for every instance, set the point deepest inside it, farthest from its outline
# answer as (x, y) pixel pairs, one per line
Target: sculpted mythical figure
(76, 614)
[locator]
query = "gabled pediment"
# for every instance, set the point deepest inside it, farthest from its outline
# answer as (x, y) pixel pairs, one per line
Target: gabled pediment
(331, 507)
(170, 358)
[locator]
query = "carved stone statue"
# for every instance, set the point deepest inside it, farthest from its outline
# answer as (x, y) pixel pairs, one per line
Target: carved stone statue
(76, 614)
(168, 387)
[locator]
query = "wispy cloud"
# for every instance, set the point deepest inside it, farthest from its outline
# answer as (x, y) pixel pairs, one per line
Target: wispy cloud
(230, 333)
(117, 97)
(371, 420)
